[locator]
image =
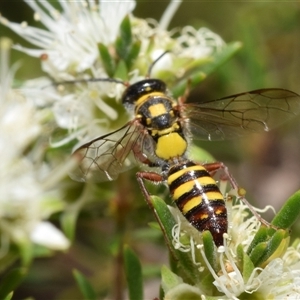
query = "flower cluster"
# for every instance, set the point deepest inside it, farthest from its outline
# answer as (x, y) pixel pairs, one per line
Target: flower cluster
(83, 43)
(24, 189)
(86, 40)
(255, 260)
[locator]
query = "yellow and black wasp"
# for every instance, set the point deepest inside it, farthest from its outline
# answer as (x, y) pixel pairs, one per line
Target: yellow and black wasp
(158, 137)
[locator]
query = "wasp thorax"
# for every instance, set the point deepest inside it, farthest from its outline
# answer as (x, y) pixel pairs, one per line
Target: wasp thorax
(141, 88)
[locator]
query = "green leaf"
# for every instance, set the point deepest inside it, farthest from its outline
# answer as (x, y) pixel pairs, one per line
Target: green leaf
(200, 155)
(289, 213)
(185, 291)
(188, 82)
(271, 247)
(260, 237)
(133, 272)
(169, 279)
(9, 296)
(165, 218)
(167, 222)
(11, 281)
(257, 253)
(133, 53)
(209, 248)
(26, 251)
(108, 62)
(8, 260)
(296, 243)
(85, 287)
(248, 267)
(221, 57)
(121, 70)
(68, 222)
(124, 41)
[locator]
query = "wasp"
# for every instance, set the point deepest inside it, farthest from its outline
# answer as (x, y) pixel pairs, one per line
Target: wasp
(159, 136)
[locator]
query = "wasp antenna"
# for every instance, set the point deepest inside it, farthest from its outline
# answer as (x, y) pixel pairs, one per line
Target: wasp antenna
(125, 83)
(154, 62)
(93, 80)
(108, 80)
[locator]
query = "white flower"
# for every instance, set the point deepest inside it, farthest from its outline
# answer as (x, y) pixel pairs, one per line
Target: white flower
(70, 41)
(23, 191)
(278, 277)
(68, 48)
(44, 233)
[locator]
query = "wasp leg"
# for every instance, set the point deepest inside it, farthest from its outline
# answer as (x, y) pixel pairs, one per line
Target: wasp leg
(155, 178)
(182, 99)
(150, 176)
(140, 156)
(212, 168)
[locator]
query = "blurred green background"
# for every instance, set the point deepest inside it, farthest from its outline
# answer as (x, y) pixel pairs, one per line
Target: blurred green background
(266, 165)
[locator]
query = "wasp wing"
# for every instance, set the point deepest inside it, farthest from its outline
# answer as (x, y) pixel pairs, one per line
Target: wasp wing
(105, 157)
(232, 116)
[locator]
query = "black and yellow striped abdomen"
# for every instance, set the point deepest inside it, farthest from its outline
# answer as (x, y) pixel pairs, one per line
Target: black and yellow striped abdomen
(199, 199)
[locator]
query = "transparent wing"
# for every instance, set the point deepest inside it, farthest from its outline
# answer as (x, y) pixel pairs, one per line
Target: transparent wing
(105, 157)
(233, 116)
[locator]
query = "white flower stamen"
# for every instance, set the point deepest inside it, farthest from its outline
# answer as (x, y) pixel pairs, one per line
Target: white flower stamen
(169, 14)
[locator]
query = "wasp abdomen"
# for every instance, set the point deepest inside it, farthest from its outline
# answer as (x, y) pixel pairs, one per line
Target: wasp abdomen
(199, 199)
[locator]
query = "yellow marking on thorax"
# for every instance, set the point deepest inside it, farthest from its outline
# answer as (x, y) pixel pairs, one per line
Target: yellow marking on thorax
(165, 131)
(157, 110)
(170, 145)
(144, 98)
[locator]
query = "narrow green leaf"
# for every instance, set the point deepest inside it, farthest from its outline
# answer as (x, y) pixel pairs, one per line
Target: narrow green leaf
(121, 70)
(248, 267)
(9, 296)
(133, 272)
(185, 291)
(295, 243)
(280, 250)
(289, 213)
(165, 218)
(8, 260)
(209, 248)
(221, 57)
(240, 256)
(26, 251)
(167, 222)
(133, 53)
(260, 236)
(169, 279)
(108, 62)
(271, 246)
(199, 154)
(11, 281)
(190, 81)
(257, 253)
(85, 287)
(124, 41)
(68, 222)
